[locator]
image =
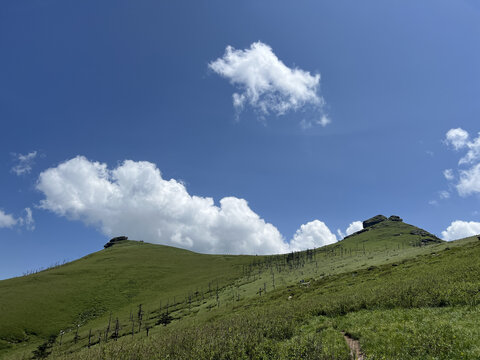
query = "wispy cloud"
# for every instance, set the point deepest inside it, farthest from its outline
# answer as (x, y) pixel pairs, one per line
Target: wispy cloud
(448, 174)
(266, 84)
(444, 194)
(7, 220)
(10, 221)
(28, 220)
(352, 228)
(24, 163)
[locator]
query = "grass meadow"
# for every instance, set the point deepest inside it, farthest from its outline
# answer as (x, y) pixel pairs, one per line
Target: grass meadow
(398, 299)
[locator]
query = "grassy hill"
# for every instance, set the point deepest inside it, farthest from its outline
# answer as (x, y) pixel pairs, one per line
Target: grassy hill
(39, 305)
(395, 290)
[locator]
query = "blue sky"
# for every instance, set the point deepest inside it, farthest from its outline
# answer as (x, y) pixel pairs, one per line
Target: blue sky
(86, 85)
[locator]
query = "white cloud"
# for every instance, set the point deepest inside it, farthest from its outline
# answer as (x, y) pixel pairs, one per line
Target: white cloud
(7, 220)
(458, 138)
(24, 163)
(473, 153)
(266, 83)
(469, 182)
(352, 228)
(469, 179)
(134, 200)
(28, 220)
(312, 235)
(460, 229)
(307, 124)
(443, 194)
(448, 174)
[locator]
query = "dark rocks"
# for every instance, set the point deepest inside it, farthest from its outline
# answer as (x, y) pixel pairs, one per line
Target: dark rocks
(419, 232)
(380, 218)
(427, 238)
(395, 218)
(427, 241)
(374, 220)
(115, 240)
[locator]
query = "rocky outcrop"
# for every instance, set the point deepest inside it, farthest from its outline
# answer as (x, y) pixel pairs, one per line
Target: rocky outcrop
(115, 240)
(395, 218)
(426, 237)
(374, 220)
(420, 232)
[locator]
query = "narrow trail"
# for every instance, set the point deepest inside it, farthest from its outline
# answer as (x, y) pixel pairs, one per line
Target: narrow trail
(354, 345)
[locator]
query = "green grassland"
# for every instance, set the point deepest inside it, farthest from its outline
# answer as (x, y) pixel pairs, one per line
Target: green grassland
(34, 307)
(401, 298)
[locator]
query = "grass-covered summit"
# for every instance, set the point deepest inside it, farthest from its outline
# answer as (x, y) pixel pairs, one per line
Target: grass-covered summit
(381, 231)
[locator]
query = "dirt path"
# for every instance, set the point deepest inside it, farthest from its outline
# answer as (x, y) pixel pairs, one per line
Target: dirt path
(354, 345)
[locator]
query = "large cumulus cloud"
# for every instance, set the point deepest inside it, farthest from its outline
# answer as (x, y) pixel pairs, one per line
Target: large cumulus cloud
(134, 199)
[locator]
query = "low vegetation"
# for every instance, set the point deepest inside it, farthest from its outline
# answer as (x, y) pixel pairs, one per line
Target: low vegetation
(398, 298)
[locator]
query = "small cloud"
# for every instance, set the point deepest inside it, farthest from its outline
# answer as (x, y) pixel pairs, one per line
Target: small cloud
(266, 84)
(460, 229)
(469, 182)
(469, 178)
(443, 194)
(352, 228)
(312, 235)
(458, 138)
(10, 221)
(430, 153)
(324, 121)
(304, 124)
(24, 163)
(433, 202)
(448, 174)
(7, 220)
(28, 220)
(307, 124)
(473, 153)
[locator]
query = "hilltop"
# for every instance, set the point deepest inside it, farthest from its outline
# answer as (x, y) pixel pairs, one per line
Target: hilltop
(382, 231)
(245, 306)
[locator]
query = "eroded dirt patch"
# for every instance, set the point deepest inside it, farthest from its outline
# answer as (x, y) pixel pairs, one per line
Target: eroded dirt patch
(354, 345)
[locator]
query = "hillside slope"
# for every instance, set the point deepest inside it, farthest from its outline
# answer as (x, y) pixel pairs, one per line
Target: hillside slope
(423, 307)
(130, 272)
(186, 286)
